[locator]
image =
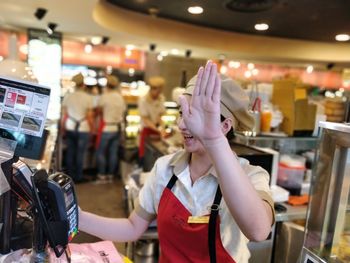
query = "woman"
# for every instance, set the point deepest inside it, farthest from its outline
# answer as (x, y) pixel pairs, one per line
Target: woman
(208, 203)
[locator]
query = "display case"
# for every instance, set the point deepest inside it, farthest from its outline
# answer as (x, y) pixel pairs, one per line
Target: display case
(327, 234)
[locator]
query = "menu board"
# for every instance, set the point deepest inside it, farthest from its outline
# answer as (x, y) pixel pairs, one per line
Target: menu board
(23, 106)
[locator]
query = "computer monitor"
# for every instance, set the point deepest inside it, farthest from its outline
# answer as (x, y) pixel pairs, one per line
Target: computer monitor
(23, 108)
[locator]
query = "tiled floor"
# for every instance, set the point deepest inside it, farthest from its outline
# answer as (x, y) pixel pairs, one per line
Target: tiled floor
(105, 200)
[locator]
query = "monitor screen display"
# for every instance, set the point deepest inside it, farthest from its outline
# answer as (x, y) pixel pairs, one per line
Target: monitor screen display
(23, 109)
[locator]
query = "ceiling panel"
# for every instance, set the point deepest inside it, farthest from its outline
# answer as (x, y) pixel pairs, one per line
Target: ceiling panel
(318, 20)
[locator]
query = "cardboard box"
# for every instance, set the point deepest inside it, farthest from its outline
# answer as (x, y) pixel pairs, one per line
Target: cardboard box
(298, 115)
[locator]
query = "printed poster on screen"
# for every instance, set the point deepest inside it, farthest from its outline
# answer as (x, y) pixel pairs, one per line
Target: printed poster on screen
(23, 109)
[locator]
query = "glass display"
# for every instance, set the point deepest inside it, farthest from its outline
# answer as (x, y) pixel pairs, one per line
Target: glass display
(327, 235)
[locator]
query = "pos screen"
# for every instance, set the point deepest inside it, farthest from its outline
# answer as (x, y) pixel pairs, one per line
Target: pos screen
(23, 108)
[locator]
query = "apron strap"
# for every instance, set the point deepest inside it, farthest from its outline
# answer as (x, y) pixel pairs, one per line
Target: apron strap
(77, 122)
(171, 182)
(214, 211)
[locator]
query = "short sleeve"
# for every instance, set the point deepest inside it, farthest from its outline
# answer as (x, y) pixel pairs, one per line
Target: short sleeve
(145, 205)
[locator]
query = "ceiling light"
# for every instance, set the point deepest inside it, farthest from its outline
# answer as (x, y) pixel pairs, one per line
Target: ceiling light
(163, 53)
(255, 71)
(96, 40)
(159, 57)
(342, 37)
(309, 69)
(88, 48)
(128, 52)
(247, 74)
(195, 10)
(223, 69)
(261, 27)
(174, 51)
(250, 66)
(130, 47)
(234, 64)
(40, 13)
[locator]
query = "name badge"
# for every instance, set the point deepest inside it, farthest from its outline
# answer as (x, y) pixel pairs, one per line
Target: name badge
(198, 220)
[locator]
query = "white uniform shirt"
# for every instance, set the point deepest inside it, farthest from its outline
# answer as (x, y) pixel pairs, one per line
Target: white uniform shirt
(150, 108)
(78, 104)
(113, 106)
(200, 196)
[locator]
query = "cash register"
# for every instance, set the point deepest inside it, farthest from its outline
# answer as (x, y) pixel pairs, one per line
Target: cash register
(50, 199)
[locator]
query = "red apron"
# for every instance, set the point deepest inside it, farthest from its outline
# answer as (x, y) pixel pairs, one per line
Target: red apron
(144, 134)
(101, 125)
(181, 241)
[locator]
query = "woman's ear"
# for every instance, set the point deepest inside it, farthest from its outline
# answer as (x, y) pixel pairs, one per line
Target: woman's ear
(226, 125)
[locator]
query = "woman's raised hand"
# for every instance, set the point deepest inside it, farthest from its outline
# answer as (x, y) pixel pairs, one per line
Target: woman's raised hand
(202, 114)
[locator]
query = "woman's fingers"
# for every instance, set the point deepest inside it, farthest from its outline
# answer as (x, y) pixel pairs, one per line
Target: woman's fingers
(211, 81)
(205, 77)
(217, 89)
(197, 87)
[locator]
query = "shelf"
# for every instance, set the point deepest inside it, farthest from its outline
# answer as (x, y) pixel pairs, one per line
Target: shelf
(275, 138)
(285, 145)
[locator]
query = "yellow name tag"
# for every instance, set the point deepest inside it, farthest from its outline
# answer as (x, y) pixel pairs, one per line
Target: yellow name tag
(198, 220)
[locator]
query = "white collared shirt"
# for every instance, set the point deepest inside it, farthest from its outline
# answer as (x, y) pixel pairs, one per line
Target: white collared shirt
(78, 104)
(113, 106)
(151, 109)
(199, 196)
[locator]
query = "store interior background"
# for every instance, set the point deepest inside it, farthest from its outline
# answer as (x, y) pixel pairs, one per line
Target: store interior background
(140, 38)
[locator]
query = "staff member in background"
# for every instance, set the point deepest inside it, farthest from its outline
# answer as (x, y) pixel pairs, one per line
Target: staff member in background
(111, 109)
(207, 201)
(77, 124)
(151, 108)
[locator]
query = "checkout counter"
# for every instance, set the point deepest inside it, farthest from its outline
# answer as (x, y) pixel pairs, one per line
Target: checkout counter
(48, 201)
(285, 241)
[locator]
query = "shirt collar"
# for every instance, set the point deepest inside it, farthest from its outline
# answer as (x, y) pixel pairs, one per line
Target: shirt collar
(181, 160)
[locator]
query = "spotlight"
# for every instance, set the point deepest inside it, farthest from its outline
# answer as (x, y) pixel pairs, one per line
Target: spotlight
(40, 13)
(188, 53)
(105, 40)
(51, 28)
(152, 47)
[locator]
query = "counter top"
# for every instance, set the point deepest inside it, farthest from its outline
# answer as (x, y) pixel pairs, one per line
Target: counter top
(292, 213)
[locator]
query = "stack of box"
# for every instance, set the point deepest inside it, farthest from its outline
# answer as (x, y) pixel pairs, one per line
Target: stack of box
(298, 114)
